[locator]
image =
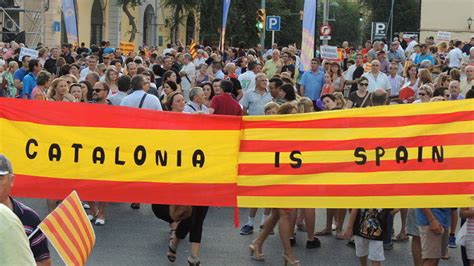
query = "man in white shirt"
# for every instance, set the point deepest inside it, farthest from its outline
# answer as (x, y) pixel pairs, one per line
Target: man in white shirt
(377, 79)
(454, 57)
(139, 98)
(411, 44)
(247, 80)
(188, 75)
(196, 104)
(396, 81)
(91, 67)
(200, 59)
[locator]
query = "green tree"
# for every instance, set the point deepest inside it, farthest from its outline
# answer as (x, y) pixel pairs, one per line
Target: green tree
(346, 26)
(126, 4)
(179, 9)
(406, 14)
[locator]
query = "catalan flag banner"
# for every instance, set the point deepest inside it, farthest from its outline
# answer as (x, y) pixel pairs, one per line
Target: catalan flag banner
(69, 231)
(120, 154)
(418, 155)
(193, 49)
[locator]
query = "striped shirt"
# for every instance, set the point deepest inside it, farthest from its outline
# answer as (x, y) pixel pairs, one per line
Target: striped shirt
(470, 225)
(30, 220)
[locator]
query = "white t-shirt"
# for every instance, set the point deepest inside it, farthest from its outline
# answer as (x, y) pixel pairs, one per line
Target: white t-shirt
(455, 57)
(381, 82)
(190, 70)
(247, 80)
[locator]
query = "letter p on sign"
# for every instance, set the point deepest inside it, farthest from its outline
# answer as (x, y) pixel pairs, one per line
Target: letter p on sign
(273, 23)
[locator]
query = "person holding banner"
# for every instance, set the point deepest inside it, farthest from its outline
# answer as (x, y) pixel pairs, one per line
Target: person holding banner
(312, 82)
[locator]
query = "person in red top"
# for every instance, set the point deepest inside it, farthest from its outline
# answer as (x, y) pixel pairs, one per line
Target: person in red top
(225, 104)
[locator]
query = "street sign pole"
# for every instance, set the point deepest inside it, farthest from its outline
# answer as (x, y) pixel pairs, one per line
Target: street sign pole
(262, 34)
(325, 16)
(273, 37)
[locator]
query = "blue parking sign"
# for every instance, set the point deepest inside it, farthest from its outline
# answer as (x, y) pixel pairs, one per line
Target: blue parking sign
(273, 23)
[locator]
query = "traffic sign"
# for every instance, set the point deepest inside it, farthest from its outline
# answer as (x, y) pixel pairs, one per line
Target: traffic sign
(325, 30)
(379, 30)
(273, 23)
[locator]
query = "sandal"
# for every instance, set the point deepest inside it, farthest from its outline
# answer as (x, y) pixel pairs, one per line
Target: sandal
(400, 238)
(301, 227)
(323, 233)
(171, 254)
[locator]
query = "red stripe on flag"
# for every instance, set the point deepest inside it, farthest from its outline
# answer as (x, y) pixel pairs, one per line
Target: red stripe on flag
(358, 190)
(366, 122)
(99, 115)
(368, 144)
(352, 167)
(112, 191)
(65, 227)
(61, 242)
(79, 224)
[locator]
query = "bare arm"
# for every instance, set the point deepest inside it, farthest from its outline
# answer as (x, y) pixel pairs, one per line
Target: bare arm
(46, 262)
(350, 224)
(435, 226)
(302, 90)
(18, 84)
(466, 213)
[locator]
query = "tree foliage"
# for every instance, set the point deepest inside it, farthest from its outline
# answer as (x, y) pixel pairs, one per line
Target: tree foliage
(126, 4)
(406, 14)
(179, 9)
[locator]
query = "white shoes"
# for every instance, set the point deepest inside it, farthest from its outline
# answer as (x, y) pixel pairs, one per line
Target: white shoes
(99, 222)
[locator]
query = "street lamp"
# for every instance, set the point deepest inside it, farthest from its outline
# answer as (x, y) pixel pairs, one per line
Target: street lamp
(469, 22)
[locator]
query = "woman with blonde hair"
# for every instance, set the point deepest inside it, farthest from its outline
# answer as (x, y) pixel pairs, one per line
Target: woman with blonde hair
(59, 91)
(111, 77)
(424, 77)
(305, 105)
(425, 93)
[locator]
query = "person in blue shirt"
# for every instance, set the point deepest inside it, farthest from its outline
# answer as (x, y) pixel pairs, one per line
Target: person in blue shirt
(21, 72)
(312, 81)
(29, 81)
(434, 232)
(424, 55)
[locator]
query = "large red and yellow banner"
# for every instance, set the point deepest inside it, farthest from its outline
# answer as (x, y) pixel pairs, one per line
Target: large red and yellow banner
(418, 155)
(119, 154)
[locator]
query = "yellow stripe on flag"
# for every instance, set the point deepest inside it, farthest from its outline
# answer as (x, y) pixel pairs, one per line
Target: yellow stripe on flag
(459, 151)
(356, 133)
(405, 177)
(435, 201)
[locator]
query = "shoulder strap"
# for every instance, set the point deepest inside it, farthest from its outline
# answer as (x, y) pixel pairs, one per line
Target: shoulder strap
(192, 107)
(365, 99)
(142, 100)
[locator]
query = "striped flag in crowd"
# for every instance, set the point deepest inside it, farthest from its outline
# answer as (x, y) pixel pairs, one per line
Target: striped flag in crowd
(193, 49)
(69, 230)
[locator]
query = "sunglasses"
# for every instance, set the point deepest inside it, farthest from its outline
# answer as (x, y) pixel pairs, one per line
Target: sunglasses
(392, 68)
(422, 94)
(106, 57)
(98, 90)
(364, 84)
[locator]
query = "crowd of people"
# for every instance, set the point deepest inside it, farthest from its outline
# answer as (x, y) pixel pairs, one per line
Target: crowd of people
(250, 81)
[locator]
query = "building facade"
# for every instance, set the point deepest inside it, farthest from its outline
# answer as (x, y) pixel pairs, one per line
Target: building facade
(449, 16)
(98, 20)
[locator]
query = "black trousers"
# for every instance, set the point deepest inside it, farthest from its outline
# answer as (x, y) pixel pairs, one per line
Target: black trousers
(192, 225)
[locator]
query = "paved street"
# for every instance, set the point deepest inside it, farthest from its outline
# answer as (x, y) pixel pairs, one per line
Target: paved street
(137, 237)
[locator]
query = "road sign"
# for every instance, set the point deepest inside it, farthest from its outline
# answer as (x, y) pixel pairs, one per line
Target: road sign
(379, 30)
(325, 38)
(443, 36)
(273, 23)
(325, 30)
